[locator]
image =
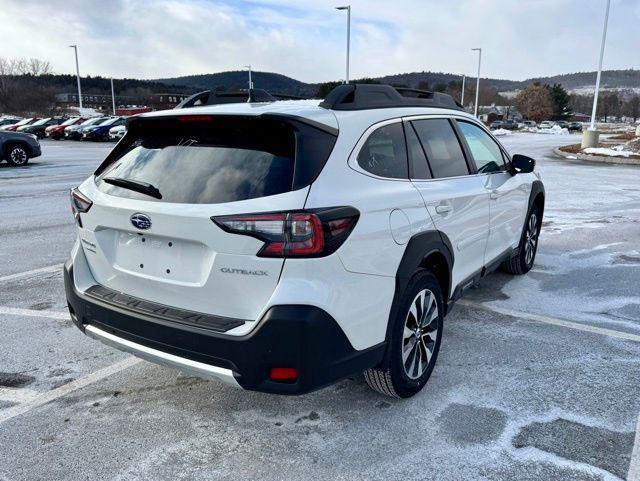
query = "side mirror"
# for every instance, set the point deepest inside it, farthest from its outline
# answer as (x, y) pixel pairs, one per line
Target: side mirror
(521, 164)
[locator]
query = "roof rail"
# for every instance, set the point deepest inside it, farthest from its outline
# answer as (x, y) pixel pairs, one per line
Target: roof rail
(379, 96)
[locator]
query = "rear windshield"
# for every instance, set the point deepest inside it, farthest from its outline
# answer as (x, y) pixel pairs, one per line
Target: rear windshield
(206, 160)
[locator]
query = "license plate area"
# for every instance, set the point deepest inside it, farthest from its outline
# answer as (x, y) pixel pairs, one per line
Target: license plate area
(162, 258)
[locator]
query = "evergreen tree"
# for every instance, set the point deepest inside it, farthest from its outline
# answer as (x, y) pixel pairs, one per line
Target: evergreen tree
(560, 98)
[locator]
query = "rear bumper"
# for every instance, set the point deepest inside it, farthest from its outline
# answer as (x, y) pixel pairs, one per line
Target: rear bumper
(297, 336)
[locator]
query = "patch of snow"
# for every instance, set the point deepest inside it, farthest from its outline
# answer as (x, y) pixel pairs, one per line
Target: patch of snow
(617, 151)
(501, 132)
(555, 130)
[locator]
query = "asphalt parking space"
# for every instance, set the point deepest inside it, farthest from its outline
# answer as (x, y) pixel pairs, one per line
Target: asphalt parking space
(510, 398)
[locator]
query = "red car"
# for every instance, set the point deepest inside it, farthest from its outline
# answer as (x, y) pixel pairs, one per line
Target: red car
(23, 122)
(56, 132)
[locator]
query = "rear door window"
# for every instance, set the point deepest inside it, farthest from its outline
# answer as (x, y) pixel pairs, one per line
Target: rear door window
(211, 160)
(441, 147)
(384, 153)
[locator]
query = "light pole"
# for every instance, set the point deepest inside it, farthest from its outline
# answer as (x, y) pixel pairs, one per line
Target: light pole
(348, 9)
(479, 50)
(113, 98)
(464, 78)
(250, 82)
(75, 48)
(595, 95)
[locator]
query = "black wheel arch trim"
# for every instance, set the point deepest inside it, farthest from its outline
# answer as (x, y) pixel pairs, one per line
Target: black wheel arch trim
(419, 248)
(537, 187)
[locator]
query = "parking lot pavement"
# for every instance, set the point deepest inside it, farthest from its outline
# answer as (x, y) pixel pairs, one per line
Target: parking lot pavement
(516, 394)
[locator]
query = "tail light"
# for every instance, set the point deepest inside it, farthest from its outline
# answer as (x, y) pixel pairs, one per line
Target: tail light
(79, 205)
(309, 233)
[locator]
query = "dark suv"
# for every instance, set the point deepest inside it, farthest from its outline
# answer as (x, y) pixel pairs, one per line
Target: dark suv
(17, 148)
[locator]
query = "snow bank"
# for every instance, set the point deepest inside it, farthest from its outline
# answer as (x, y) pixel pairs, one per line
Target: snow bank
(555, 130)
(617, 151)
(501, 132)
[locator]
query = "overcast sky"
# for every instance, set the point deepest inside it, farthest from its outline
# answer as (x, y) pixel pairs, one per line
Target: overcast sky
(305, 39)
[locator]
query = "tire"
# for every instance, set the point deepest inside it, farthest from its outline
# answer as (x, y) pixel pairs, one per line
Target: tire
(523, 261)
(404, 378)
(17, 156)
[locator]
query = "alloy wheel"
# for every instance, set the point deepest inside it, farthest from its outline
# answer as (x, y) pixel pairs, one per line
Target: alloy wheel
(19, 156)
(420, 334)
(531, 239)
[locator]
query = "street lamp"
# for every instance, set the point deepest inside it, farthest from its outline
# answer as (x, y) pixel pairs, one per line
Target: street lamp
(479, 50)
(590, 137)
(348, 9)
(113, 98)
(75, 48)
(250, 82)
(464, 78)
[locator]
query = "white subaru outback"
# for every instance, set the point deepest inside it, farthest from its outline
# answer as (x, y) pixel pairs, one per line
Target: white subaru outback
(283, 246)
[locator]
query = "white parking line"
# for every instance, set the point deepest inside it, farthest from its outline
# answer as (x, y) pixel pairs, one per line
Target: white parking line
(16, 311)
(54, 394)
(552, 320)
(34, 272)
(17, 395)
(634, 465)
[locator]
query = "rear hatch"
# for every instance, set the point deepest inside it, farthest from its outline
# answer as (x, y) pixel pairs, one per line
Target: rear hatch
(149, 232)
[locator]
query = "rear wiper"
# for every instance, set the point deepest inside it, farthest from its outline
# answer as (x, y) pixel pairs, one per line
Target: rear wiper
(135, 185)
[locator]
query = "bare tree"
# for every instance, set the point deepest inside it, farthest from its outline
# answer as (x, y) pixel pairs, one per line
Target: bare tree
(19, 93)
(535, 103)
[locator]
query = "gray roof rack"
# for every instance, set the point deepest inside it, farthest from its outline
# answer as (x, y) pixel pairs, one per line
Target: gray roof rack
(378, 96)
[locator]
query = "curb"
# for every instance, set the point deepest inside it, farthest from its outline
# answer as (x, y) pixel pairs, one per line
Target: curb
(596, 158)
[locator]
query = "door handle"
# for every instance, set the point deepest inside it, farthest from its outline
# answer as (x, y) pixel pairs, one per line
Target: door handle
(443, 209)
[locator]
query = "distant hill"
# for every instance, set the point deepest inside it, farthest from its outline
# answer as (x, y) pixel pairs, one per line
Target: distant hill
(273, 82)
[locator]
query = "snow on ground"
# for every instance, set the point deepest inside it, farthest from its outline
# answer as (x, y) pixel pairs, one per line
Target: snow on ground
(555, 130)
(617, 151)
(501, 132)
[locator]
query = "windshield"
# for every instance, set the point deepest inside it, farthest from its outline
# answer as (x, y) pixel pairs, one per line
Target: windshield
(24, 122)
(92, 121)
(108, 121)
(41, 122)
(71, 121)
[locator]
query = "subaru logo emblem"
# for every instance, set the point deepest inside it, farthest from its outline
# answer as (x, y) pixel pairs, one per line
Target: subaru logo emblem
(141, 221)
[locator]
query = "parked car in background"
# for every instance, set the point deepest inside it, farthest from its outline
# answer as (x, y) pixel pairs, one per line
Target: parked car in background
(74, 132)
(100, 132)
(529, 123)
(117, 132)
(17, 125)
(56, 132)
(575, 127)
(9, 121)
(510, 124)
(563, 124)
(496, 125)
(17, 148)
(38, 128)
(547, 124)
